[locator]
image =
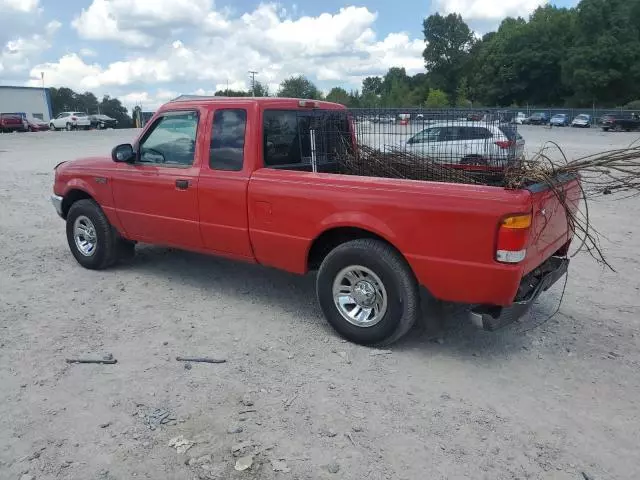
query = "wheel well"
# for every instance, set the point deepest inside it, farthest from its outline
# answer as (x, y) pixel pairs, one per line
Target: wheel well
(330, 239)
(72, 197)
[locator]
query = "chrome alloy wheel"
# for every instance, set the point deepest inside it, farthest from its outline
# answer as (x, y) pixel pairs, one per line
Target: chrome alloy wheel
(360, 296)
(84, 234)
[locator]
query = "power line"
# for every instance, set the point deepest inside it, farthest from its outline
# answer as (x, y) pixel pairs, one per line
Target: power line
(253, 82)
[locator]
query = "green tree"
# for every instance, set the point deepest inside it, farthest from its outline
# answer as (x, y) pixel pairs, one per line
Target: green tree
(260, 90)
(372, 86)
(462, 94)
(437, 99)
(449, 40)
(232, 93)
(112, 107)
(339, 95)
(299, 87)
(603, 64)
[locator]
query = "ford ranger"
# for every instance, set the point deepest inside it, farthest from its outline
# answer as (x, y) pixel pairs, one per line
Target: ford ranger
(238, 178)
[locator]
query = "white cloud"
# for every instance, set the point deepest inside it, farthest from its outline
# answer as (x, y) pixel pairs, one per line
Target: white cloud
(18, 54)
(339, 47)
(483, 10)
(24, 6)
(140, 23)
(87, 52)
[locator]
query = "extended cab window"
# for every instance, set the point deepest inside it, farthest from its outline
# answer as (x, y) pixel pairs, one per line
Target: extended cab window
(292, 138)
(172, 140)
(226, 151)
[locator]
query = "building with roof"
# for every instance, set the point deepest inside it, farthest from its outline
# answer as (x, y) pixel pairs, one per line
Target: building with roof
(30, 102)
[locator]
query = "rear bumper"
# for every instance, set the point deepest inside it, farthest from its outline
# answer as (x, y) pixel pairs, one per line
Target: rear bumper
(492, 318)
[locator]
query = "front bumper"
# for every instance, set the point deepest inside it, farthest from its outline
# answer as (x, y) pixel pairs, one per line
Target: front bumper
(492, 318)
(57, 203)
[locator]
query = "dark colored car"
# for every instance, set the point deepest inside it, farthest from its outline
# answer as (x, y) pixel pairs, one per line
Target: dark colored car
(618, 123)
(102, 121)
(538, 118)
(10, 122)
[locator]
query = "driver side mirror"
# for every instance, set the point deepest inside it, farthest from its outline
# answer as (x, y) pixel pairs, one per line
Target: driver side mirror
(123, 153)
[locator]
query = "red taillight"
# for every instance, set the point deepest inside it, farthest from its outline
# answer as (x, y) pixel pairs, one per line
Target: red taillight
(504, 144)
(513, 237)
(74, 118)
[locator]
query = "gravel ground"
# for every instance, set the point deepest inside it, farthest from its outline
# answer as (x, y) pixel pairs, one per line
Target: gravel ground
(536, 400)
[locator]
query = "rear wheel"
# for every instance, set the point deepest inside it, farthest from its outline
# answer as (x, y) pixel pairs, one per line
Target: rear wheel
(368, 292)
(94, 243)
(69, 127)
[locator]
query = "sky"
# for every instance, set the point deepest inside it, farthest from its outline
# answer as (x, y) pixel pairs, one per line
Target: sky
(148, 51)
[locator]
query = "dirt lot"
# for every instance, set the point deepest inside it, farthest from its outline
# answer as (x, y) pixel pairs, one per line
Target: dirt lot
(549, 402)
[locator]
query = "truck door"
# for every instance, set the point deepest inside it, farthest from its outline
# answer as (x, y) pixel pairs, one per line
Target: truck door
(156, 196)
(224, 179)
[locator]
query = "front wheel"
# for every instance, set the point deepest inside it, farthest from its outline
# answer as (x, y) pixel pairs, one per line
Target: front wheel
(368, 292)
(92, 240)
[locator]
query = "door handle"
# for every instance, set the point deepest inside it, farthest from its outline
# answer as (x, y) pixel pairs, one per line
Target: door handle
(182, 184)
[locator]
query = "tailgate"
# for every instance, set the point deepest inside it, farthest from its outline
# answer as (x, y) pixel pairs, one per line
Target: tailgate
(550, 228)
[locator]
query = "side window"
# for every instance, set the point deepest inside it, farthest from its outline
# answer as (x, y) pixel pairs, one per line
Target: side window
(451, 134)
(226, 151)
(283, 144)
(475, 133)
(427, 136)
(172, 140)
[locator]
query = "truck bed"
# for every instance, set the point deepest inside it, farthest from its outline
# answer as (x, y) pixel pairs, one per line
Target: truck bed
(447, 232)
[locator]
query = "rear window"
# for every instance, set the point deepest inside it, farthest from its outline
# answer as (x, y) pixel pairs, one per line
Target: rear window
(510, 132)
(292, 138)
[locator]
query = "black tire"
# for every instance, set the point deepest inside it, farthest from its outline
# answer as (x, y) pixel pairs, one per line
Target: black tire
(403, 299)
(107, 240)
(69, 127)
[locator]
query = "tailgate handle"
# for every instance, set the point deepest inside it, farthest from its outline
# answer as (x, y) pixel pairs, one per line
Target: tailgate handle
(182, 184)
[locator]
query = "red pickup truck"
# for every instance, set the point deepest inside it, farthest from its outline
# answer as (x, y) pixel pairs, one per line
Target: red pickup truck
(237, 177)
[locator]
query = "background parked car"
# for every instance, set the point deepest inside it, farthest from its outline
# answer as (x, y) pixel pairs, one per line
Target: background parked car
(538, 118)
(620, 123)
(468, 143)
(36, 124)
(519, 118)
(559, 120)
(102, 121)
(11, 122)
(582, 121)
(70, 121)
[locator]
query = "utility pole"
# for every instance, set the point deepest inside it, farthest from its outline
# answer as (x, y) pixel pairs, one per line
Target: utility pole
(253, 82)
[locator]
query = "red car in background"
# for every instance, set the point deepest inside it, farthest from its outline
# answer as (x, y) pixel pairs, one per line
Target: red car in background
(10, 122)
(36, 125)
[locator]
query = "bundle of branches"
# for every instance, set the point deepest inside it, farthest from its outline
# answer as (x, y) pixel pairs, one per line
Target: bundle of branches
(614, 171)
(399, 163)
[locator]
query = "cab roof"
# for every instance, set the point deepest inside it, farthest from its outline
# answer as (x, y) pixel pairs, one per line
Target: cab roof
(186, 101)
